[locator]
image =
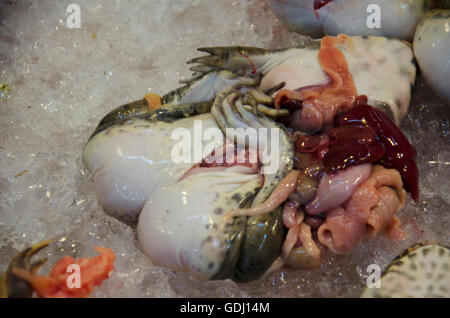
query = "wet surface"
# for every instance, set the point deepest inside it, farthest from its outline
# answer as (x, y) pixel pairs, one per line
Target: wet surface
(56, 83)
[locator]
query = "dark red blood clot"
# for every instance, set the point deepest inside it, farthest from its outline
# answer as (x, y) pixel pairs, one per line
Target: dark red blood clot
(399, 153)
(344, 153)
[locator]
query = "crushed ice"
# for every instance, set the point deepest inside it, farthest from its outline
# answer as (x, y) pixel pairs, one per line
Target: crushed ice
(55, 85)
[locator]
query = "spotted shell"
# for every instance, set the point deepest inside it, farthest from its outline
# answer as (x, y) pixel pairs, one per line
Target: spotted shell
(422, 270)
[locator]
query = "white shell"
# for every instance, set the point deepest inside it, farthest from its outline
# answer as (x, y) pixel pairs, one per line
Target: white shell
(432, 50)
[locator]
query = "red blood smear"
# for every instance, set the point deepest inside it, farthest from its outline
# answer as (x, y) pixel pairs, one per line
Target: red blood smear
(250, 61)
(319, 4)
(229, 162)
(400, 154)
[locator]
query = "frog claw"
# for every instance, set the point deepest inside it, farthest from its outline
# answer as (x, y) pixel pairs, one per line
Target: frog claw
(201, 69)
(209, 60)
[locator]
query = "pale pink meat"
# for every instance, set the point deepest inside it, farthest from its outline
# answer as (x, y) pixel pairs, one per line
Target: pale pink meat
(290, 210)
(310, 119)
(289, 242)
(334, 190)
(383, 213)
(343, 229)
(308, 242)
(371, 208)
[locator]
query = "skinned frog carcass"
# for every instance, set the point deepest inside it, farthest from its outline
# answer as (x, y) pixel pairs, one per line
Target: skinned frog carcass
(182, 224)
(224, 220)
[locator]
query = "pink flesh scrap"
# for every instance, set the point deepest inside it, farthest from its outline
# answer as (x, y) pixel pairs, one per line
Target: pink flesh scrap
(335, 189)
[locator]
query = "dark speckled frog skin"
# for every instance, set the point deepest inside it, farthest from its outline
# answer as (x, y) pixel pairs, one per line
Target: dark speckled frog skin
(422, 270)
(253, 243)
